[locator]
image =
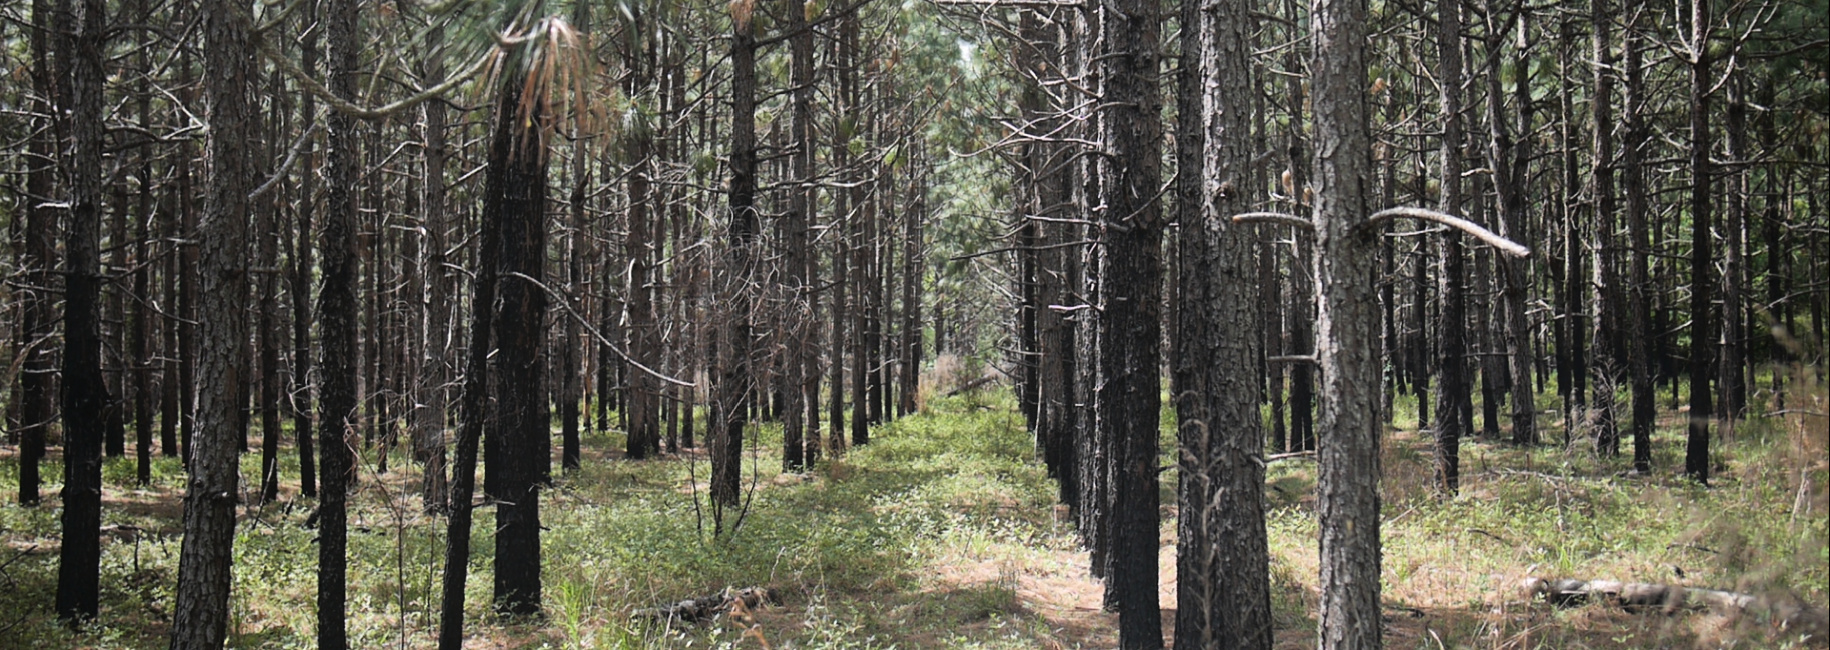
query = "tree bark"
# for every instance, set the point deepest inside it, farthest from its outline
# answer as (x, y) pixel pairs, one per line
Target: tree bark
(338, 426)
(1223, 589)
(1348, 350)
(85, 392)
(1609, 340)
(735, 385)
(797, 316)
(36, 260)
(1454, 387)
(1509, 182)
(300, 398)
(515, 203)
(1639, 274)
(201, 615)
(1127, 401)
(1702, 256)
(431, 404)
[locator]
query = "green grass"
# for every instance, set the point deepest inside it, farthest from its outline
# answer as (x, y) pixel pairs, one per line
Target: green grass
(943, 533)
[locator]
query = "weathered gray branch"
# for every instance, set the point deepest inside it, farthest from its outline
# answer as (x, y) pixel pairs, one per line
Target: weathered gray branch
(1504, 245)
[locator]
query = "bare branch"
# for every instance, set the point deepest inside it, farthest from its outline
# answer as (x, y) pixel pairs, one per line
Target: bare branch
(1504, 245)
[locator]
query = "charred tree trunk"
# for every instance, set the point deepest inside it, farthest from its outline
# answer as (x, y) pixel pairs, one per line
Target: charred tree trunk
(85, 391)
(338, 427)
(1131, 270)
(515, 204)
(1454, 387)
(1702, 254)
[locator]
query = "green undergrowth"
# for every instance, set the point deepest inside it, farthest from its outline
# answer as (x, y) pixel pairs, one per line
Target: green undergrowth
(1452, 564)
(907, 542)
(943, 533)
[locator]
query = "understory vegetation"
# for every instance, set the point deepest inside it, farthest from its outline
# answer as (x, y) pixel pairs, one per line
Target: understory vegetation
(943, 532)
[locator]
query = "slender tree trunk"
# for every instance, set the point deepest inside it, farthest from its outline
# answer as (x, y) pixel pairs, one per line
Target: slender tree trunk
(267, 232)
(796, 292)
(843, 207)
(641, 404)
(1734, 280)
(474, 411)
(303, 424)
(1608, 307)
(1347, 485)
(1639, 274)
(201, 616)
(1509, 181)
(35, 328)
(338, 427)
(142, 327)
(85, 391)
(1577, 417)
(431, 404)
(1454, 387)
(1702, 255)
(1302, 296)
(735, 385)
(910, 380)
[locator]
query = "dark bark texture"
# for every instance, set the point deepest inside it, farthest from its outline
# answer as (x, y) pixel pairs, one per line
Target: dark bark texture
(1348, 346)
(201, 616)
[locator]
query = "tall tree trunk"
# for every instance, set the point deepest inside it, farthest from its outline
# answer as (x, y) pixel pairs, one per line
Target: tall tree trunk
(1348, 349)
(912, 247)
(142, 327)
(1702, 256)
(1131, 260)
(267, 232)
(436, 312)
(303, 424)
(338, 427)
(1301, 294)
(1608, 322)
(85, 392)
(735, 385)
(1223, 590)
(796, 318)
(1577, 417)
(1639, 274)
(1094, 452)
(474, 414)
(1454, 388)
(641, 403)
(842, 282)
(1734, 279)
(35, 328)
(201, 616)
(1509, 181)
(515, 203)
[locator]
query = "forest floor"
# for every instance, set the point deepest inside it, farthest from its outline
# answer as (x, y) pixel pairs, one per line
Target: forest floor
(943, 532)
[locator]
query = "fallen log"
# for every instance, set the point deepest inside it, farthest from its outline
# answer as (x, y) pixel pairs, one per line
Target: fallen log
(1786, 611)
(705, 608)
